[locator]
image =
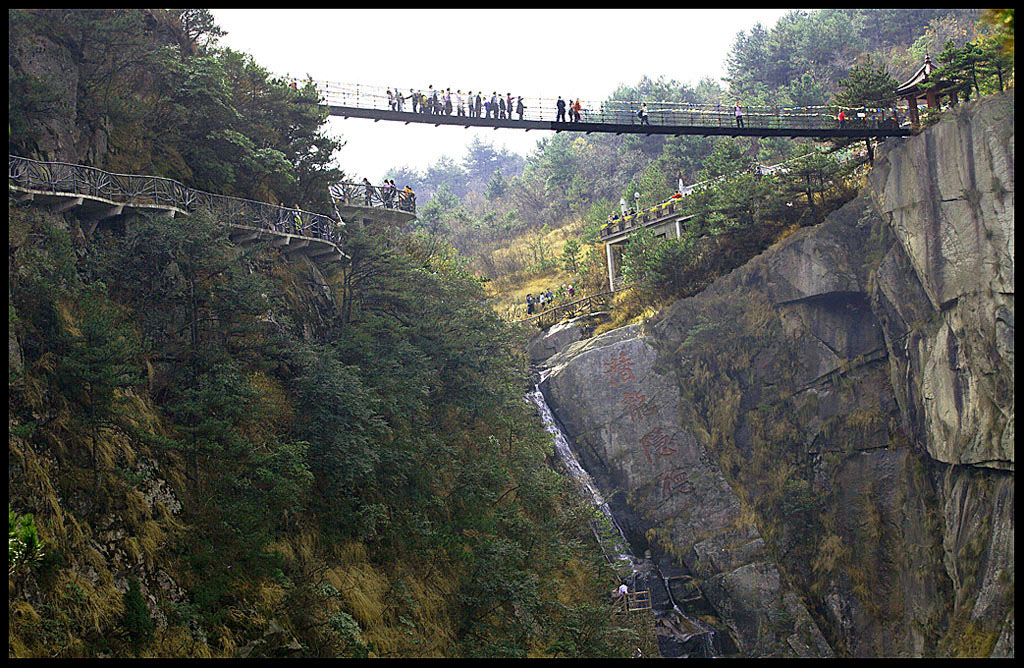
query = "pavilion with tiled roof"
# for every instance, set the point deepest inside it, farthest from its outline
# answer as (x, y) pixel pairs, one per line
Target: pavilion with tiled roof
(914, 89)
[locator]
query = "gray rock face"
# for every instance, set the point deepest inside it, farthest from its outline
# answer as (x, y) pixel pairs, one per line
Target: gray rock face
(553, 339)
(948, 195)
(622, 412)
(824, 437)
(63, 134)
(49, 63)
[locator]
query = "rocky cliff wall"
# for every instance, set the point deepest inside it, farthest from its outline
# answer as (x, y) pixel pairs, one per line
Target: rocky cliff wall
(823, 438)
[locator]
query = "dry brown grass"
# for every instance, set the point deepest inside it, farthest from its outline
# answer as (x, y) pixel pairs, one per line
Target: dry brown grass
(515, 279)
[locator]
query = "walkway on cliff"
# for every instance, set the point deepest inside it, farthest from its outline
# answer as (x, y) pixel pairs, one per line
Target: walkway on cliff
(613, 116)
(98, 195)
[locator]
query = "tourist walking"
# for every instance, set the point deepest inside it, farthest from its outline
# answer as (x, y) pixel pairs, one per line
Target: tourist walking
(622, 595)
(478, 104)
(561, 110)
(501, 107)
(739, 116)
(643, 114)
(368, 191)
(415, 97)
(448, 102)
(520, 107)
(461, 110)
(576, 111)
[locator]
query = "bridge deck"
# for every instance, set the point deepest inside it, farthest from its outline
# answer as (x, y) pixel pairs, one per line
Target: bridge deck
(724, 128)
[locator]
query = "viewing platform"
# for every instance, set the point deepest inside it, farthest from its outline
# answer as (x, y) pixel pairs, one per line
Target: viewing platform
(368, 203)
(659, 214)
(96, 195)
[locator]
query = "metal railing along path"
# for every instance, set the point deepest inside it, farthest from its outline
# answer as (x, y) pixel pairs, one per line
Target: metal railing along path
(60, 178)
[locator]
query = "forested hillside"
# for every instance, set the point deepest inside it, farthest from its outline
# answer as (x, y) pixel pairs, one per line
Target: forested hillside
(214, 452)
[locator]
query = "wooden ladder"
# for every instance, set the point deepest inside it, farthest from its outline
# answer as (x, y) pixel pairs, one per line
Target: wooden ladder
(638, 600)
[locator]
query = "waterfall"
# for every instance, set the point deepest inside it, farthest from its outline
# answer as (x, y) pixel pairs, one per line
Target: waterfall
(614, 545)
(616, 548)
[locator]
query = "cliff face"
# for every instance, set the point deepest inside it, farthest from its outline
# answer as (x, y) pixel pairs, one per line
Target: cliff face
(824, 437)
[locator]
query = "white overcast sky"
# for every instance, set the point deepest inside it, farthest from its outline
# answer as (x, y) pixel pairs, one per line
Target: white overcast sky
(574, 53)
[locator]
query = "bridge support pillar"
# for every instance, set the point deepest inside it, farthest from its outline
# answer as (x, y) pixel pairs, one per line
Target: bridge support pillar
(107, 212)
(298, 245)
(68, 203)
(323, 250)
(246, 238)
(611, 266)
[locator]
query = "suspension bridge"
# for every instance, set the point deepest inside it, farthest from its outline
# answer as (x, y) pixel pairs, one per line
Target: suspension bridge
(610, 116)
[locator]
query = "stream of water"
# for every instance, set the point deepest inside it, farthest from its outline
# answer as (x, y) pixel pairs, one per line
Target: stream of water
(678, 626)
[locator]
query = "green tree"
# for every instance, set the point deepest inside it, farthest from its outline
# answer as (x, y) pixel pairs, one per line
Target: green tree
(24, 547)
(867, 85)
(658, 265)
(96, 360)
(970, 70)
(344, 433)
(571, 256)
(497, 186)
(727, 158)
(136, 620)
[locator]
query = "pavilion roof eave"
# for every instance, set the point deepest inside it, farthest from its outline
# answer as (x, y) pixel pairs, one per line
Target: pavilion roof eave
(912, 86)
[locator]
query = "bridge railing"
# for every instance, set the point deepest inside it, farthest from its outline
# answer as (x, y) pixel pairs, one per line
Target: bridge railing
(623, 112)
(159, 192)
(361, 194)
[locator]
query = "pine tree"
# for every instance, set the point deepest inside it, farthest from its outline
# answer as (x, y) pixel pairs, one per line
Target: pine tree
(867, 86)
(136, 620)
(96, 361)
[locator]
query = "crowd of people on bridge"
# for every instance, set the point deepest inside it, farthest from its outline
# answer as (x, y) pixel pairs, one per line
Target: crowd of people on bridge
(574, 111)
(437, 102)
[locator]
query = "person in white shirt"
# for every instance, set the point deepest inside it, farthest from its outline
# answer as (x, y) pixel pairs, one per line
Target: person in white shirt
(622, 593)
